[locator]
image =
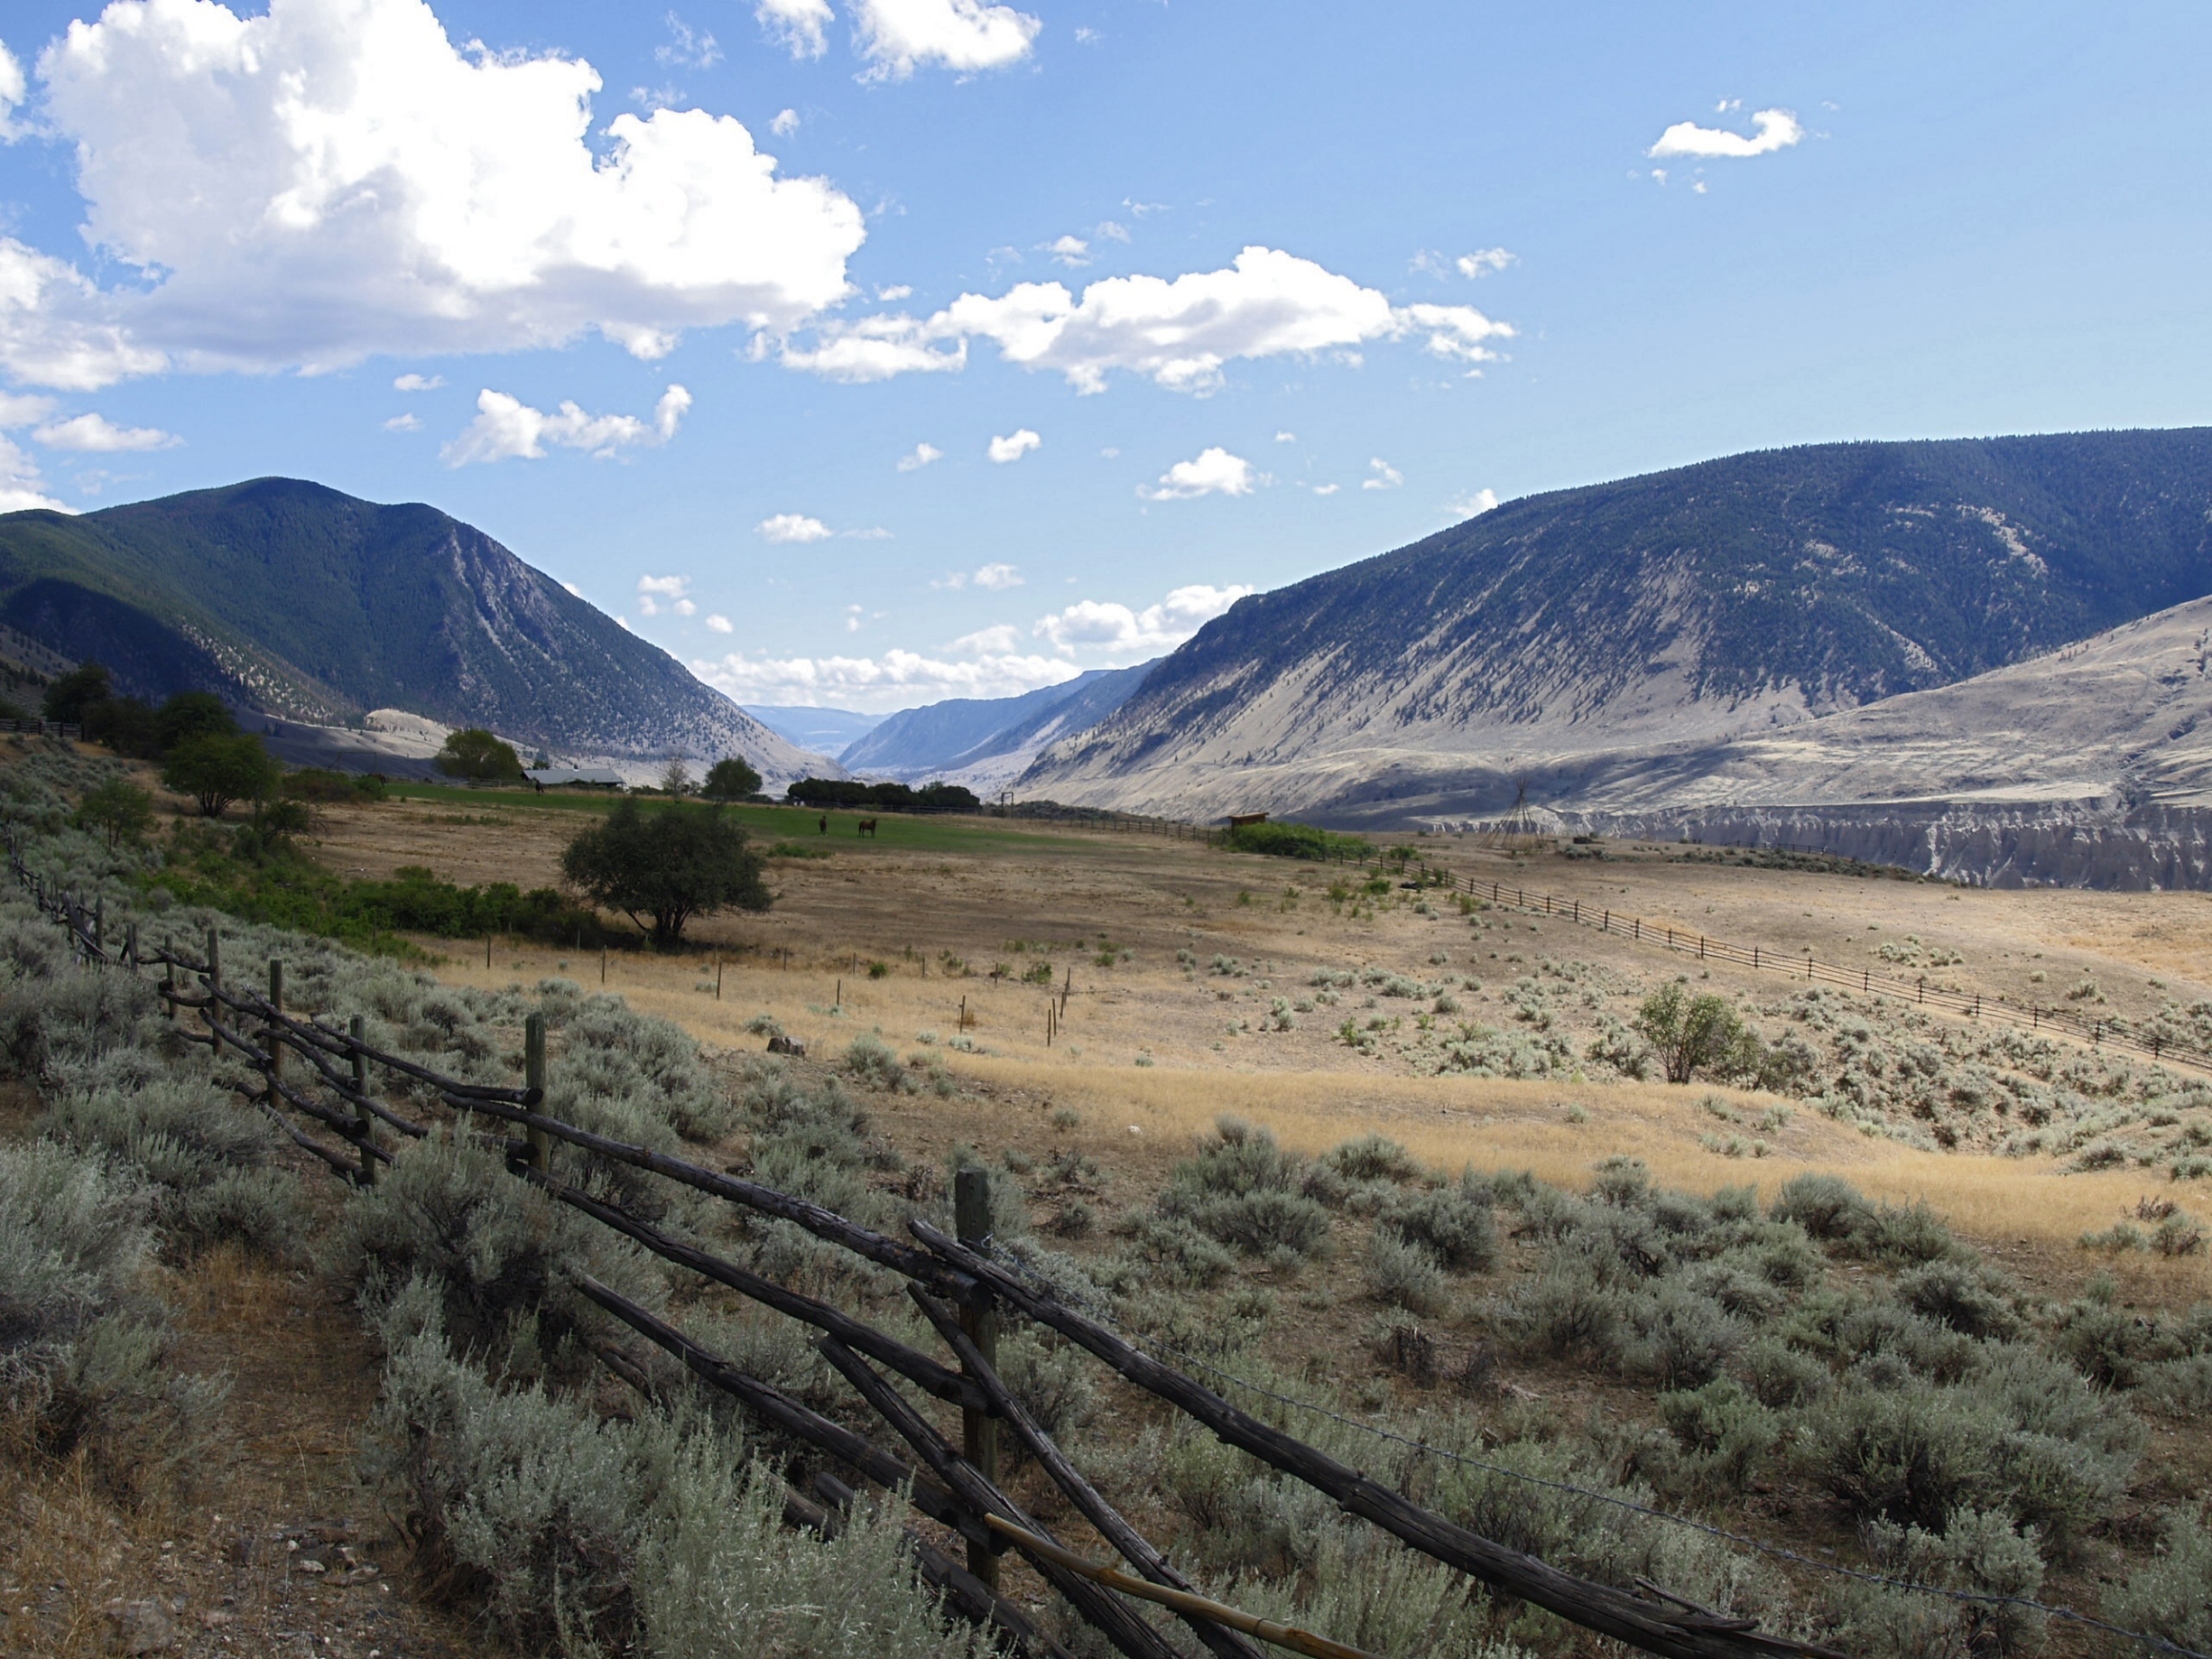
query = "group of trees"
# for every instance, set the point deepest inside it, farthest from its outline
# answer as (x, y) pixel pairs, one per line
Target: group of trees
(882, 797)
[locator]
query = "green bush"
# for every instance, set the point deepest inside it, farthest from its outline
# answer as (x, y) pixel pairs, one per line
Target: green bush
(1403, 1273)
(1976, 1301)
(477, 755)
(1975, 1551)
(1724, 1433)
(2170, 1597)
(1283, 840)
(1257, 1222)
(1455, 1223)
(1826, 1206)
(1697, 1034)
(1373, 1157)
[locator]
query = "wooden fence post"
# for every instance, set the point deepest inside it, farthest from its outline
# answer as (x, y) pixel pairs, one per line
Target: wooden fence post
(215, 966)
(718, 976)
(534, 1077)
(602, 964)
(269, 1036)
(971, 1220)
(169, 974)
(356, 1028)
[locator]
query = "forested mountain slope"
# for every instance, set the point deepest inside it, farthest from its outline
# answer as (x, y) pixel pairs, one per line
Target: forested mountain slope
(298, 601)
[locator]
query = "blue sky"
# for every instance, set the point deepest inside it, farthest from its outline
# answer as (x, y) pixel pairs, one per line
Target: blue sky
(1330, 278)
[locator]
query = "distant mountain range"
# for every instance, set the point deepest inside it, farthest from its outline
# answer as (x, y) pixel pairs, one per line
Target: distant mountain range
(824, 731)
(1666, 638)
(987, 742)
(311, 606)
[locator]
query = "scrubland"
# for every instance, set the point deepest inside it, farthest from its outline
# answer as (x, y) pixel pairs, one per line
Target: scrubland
(1393, 1173)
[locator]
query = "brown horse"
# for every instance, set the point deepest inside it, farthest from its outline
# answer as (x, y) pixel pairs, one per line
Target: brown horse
(825, 825)
(866, 827)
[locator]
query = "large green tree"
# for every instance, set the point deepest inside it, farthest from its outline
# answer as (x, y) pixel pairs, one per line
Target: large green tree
(215, 771)
(192, 714)
(663, 868)
(68, 698)
(477, 754)
(1697, 1034)
(731, 779)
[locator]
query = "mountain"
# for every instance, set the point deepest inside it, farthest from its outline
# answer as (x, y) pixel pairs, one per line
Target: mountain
(300, 603)
(985, 742)
(1594, 640)
(823, 730)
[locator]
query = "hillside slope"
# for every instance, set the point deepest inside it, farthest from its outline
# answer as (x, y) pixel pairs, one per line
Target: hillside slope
(299, 602)
(1569, 633)
(985, 741)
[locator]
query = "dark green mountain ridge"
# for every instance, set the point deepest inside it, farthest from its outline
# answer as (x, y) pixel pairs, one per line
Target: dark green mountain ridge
(298, 601)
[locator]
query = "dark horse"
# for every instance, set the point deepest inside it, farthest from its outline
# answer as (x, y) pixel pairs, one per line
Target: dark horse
(866, 827)
(824, 830)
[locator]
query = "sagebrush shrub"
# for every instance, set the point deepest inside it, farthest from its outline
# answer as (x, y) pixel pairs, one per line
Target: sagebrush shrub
(1373, 1157)
(1403, 1273)
(1455, 1222)
(1976, 1302)
(2171, 1598)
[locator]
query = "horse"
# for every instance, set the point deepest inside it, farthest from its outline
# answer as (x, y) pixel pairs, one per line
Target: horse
(866, 827)
(824, 827)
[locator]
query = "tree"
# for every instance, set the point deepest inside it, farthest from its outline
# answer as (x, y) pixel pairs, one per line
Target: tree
(1697, 1034)
(118, 810)
(676, 779)
(192, 714)
(476, 754)
(217, 771)
(68, 696)
(668, 866)
(731, 779)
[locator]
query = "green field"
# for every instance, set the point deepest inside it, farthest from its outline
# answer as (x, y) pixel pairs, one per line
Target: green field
(948, 833)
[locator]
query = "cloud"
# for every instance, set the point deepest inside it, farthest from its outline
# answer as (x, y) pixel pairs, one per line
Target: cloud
(1327, 490)
(1472, 505)
(923, 455)
(691, 50)
(719, 622)
(95, 434)
(417, 383)
(1178, 333)
(897, 679)
(506, 428)
(894, 292)
(22, 409)
(1015, 445)
(792, 527)
(405, 423)
(1483, 261)
(1213, 472)
(798, 25)
(309, 187)
(990, 641)
(1111, 232)
(1157, 627)
(1382, 475)
(1773, 130)
(966, 35)
(12, 90)
(1068, 250)
(997, 577)
(21, 487)
(675, 589)
(784, 123)
(1286, 437)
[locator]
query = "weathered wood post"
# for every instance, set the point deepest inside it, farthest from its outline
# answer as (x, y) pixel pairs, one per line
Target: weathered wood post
(718, 976)
(1065, 991)
(602, 964)
(356, 1028)
(214, 966)
(99, 923)
(971, 1220)
(130, 943)
(169, 974)
(269, 1038)
(534, 1077)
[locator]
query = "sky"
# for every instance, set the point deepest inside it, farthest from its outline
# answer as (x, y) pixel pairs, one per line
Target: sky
(862, 353)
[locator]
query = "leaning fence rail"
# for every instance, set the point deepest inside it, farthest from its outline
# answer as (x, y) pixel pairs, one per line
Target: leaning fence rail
(960, 1284)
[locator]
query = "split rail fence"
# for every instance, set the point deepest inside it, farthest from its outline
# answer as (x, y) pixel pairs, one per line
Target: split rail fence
(311, 1069)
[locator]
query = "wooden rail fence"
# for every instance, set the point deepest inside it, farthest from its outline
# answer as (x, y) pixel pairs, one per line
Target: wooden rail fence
(312, 1069)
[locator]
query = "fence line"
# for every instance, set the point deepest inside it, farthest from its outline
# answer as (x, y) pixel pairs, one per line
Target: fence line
(944, 1274)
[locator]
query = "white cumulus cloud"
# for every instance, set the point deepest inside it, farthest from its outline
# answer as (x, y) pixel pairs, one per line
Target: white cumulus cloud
(1015, 445)
(506, 428)
(792, 527)
(1483, 261)
(95, 434)
(1068, 250)
(719, 622)
(1772, 130)
(1473, 506)
(897, 679)
(1118, 628)
(675, 589)
(688, 48)
(784, 123)
(798, 25)
(1381, 475)
(920, 457)
(1180, 332)
(1211, 472)
(966, 35)
(21, 487)
(323, 182)
(997, 577)
(418, 382)
(13, 87)
(22, 409)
